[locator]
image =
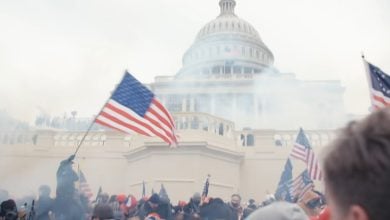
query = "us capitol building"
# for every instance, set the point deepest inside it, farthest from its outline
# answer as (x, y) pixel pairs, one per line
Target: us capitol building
(237, 118)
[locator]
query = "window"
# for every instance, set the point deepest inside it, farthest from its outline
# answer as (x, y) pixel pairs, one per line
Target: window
(220, 129)
(228, 70)
(237, 69)
(216, 70)
(251, 52)
(250, 140)
(188, 104)
(247, 70)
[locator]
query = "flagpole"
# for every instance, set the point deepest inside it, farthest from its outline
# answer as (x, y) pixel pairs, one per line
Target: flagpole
(93, 121)
(369, 80)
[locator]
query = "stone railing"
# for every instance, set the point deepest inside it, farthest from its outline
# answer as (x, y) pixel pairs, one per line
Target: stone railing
(74, 138)
(205, 122)
(17, 137)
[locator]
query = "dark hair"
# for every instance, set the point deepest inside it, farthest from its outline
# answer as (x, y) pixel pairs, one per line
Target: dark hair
(8, 209)
(357, 166)
(236, 195)
(103, 211)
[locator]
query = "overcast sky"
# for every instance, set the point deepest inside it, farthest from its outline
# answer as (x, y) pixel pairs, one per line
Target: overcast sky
(64, 55)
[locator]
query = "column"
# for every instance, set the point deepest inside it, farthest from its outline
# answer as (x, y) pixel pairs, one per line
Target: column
(212, 105)
(183, 104)
(192, 104)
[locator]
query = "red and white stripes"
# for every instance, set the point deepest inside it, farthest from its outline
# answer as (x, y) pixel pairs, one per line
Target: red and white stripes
(156, 122)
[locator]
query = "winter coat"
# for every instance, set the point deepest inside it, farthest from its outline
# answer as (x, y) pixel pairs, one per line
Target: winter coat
(216, 209)
(237, 212)
(190, 209)
(43, 206)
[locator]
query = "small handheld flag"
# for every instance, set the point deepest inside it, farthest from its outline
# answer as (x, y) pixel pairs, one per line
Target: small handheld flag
(303, 151)
(300, 185)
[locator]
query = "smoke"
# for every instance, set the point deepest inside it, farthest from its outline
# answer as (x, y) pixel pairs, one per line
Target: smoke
(268, 100)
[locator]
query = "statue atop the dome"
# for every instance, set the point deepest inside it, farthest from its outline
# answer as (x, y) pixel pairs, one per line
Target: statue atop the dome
(227, 7)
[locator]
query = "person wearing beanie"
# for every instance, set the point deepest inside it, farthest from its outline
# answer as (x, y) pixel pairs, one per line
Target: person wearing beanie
(279, 211)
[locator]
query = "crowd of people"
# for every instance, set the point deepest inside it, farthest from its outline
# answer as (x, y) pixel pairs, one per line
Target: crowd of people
(157, 206)
(357, 179)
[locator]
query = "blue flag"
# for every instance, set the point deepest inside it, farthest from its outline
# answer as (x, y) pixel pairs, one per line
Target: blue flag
(283, 190)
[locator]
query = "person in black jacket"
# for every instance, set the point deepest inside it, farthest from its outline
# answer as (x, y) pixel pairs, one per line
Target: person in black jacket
(193, 207)
(165, 209)
(150, 206)
(44, 203)
(235, 206)
(216, 209)
(67, 205)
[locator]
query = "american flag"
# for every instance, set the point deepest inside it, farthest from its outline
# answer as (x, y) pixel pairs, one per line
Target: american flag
(302, 151)
(84, 187)
(134, 108)
(379, 86)
(300, 185)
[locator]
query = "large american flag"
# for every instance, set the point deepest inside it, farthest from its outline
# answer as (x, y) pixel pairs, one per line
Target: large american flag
(84, 187)
(300, 185)
(379, 84)
(302, 151)
(134, 108)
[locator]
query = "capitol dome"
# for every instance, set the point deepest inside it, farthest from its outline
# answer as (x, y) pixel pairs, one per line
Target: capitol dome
(226, 45)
